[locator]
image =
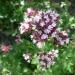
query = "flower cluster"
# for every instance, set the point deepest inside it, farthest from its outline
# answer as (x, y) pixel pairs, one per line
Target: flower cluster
(47, 59)
(43, 25)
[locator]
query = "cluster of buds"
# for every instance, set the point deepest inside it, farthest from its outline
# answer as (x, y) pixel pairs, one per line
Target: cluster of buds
(42, 24)
(47, 59)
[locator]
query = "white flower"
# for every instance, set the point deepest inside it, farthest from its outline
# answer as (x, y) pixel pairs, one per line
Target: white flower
(26, 56)
(34, 41)
(28, 20)
(37, 18)
(64, 33)
(49, 11)
(54, 34)
(22, 2)
(67, 40)
(61, 42)
(33, 27)
(40, 44)
(31, 36)
(24, 27)
(54, 24)
(55, 53)
(29, 10)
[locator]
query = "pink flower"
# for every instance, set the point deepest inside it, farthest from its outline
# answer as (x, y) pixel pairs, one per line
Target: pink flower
(24, 27)
(47, 31)
(5, 48)
(44, 36)
(31, 12)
